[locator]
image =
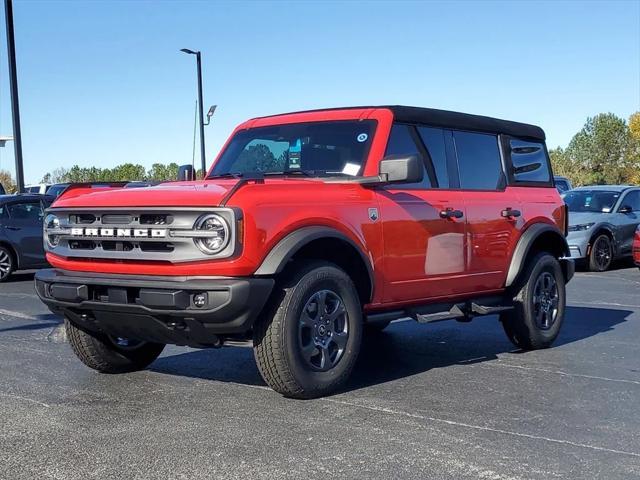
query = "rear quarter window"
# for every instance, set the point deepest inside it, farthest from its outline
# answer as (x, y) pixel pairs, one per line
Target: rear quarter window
(529, 163)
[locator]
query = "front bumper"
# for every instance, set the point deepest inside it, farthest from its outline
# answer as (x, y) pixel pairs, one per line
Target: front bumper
(579, 243)
(156, 309)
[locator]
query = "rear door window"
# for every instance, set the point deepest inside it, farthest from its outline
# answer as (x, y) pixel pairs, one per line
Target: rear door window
(401, 142)
(479, 161)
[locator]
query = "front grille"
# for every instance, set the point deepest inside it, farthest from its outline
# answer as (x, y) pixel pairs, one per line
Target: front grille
(152, 234)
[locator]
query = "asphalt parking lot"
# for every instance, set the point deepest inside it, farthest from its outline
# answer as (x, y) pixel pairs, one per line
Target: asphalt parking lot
(442, 401)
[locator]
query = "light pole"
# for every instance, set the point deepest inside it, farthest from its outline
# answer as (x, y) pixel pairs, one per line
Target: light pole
(13, 85)
(201, 112)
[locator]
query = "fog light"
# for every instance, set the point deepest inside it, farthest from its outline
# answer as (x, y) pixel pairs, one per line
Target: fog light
(200, 300)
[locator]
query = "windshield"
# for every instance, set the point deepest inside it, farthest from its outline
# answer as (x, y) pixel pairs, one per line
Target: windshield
(312, 149)
(596, 201)
(56, 190)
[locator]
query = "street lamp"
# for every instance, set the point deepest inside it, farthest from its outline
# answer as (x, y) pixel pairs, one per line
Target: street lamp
(199, 65)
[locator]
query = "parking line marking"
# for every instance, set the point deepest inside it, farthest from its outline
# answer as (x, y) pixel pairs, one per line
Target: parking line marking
(10, 313)
(560, 372)
(608, 304)
(26, 399)
(390, 411)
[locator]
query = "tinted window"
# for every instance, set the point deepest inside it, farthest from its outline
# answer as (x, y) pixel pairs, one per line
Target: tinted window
(318, 149)
(562, 185)
(401, 143)
(596, 201)
(529, 161)
(478, 160)
(433, 139)
(632, 199)
(25, 211)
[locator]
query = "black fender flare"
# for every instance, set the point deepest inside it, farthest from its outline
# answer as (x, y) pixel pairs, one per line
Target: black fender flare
(286, 248)
(526, 241)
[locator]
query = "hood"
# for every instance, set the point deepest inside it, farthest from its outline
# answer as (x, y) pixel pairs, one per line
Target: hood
(578, 218)
(178, 194)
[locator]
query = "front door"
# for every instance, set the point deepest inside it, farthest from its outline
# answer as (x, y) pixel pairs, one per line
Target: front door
(423, 224)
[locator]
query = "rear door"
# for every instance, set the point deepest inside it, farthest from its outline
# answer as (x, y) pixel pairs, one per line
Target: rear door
(493, 211)
(23, 228)
(423, 224)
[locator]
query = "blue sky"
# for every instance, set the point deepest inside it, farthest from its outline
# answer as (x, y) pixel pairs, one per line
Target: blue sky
(102, 83)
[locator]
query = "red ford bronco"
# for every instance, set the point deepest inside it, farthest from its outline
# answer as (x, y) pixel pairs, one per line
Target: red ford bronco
(636, 247)
(309, 229)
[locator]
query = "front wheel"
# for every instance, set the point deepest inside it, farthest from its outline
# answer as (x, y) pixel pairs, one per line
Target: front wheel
(108, 354)
(539, 305)
(307, 343)
(601, 254)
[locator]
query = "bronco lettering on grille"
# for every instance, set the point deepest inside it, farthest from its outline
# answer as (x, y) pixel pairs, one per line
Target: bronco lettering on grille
(119, 232)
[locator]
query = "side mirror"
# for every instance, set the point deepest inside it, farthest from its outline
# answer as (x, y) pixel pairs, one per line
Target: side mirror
(186, 173)
(625, 209)
(401, 169)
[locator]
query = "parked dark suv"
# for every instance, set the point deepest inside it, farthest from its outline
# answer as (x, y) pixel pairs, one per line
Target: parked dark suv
(21, 233)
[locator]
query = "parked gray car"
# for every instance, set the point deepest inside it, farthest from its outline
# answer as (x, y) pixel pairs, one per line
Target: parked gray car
(602, 222)
(21, 245)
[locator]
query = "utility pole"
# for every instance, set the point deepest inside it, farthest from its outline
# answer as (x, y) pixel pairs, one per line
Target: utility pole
(13, 83)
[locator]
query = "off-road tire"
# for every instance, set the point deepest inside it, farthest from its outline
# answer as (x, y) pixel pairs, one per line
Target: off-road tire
(100, 353)
(520, 324)
(595, 263)
(8, 263)
(276, 334)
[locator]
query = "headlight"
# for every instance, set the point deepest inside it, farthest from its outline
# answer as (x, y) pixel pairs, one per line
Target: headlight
(51, 222)
(217, 234)
(582, 227)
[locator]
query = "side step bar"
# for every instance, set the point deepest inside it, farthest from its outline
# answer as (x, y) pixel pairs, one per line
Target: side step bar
(460, 311)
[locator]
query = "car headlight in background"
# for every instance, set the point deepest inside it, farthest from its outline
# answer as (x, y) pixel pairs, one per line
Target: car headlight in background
(217, 230)
(581, 227)
(51, 222)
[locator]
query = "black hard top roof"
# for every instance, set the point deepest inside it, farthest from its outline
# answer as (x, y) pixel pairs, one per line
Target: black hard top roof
(457, 120)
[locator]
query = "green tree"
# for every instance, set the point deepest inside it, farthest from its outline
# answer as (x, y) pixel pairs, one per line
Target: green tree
(160, 172)
(600, 150)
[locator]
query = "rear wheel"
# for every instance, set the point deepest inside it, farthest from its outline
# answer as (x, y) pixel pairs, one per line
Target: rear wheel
(601, 254)
(7, 263)
(307, 343)
(539, 305)
(108, 354)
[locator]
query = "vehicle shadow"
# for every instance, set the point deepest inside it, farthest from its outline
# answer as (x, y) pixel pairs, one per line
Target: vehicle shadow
(44, 321)
(20, 277)
(403, 350)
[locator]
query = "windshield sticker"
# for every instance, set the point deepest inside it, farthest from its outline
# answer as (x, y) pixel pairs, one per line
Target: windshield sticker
(351, 169)
(294, 154)
(362, 137)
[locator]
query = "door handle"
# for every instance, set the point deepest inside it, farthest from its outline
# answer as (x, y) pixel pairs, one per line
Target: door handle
(510, 213)
(451, 213)
(13, 228)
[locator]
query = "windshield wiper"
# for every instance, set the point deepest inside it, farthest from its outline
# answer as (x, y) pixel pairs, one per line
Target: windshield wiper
(305, 173)
(227, 175)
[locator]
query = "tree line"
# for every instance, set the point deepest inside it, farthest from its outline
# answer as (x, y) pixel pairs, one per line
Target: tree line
(605, 151)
